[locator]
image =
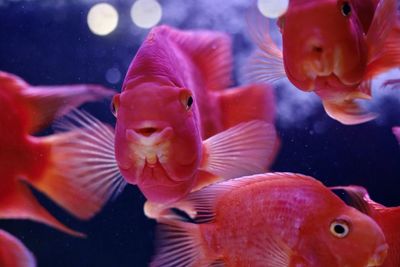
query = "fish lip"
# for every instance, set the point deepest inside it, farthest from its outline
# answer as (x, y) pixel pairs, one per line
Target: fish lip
(132, 134)
(379, 256)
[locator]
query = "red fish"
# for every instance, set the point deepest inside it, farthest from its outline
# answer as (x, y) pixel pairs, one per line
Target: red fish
(333, 48)
(273, 219)
(178, 129)
(388, 218)
(38, 161)
(13, 253)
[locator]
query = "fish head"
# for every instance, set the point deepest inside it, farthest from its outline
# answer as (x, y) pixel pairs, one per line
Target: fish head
(323, 40)
(350, 238)
(158, 142)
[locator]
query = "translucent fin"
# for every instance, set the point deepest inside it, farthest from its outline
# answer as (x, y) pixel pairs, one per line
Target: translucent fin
(83, 173)
(348, 112)
(266, 63)
(180, 245)
(384, 19)
(271, 250)
(246, 103)
(244, 149)
(23, 205)
(210, 52)
(13, 253)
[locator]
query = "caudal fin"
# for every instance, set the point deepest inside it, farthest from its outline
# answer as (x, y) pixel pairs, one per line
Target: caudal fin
(13, 253)
(246, 103)
(82, 173)
(21, 204)
(181, 244)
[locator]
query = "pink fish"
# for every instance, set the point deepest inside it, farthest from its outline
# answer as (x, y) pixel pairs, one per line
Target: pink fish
(388, 218)
(333, 48)
(38, 161)
(178, 129)
(274, 220)
(396, 132)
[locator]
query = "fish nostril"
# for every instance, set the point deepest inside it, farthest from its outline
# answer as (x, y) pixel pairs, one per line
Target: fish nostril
(317, 49)
(148, 131)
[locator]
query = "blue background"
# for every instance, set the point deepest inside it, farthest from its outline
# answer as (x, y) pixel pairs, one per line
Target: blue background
(48, 42)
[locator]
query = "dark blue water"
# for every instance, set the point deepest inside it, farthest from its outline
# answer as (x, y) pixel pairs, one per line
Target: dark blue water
(50, 43)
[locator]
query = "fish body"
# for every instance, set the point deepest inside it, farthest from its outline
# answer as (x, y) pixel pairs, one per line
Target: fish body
(28, 159)
(334, 48)
(388, 218)
(178, 127)
(274, 219)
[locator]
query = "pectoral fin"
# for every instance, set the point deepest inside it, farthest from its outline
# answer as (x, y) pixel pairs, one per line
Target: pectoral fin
(348, 112)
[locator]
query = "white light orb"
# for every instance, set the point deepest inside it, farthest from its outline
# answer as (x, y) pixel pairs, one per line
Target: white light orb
(113, 75)
(102, 19)
(146, 13)
(272, 8)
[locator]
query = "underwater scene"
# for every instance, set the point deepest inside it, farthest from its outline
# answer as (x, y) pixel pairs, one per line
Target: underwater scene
(199, 133)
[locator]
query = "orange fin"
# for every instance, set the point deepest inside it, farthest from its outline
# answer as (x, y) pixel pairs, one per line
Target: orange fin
(50, 102)
(266, 63)
(271, 250)
(23, 205)
(244, 149)
(180, 244)
(348, 112)
(13, 253)
(210, 52)
(384, 19)
(246, 103)
(82, 172)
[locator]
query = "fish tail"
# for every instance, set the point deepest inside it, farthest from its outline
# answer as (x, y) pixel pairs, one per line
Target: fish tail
(21, 204)
(180, 244)
(81, 172)
(14, 253)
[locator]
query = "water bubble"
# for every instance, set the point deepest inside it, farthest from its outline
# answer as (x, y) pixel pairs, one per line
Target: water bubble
(272, 8)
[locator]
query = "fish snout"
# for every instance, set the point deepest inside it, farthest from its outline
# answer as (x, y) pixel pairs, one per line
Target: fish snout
(379, 256)
(319, 55)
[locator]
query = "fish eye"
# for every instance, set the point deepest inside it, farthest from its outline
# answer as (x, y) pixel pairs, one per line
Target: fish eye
(345, 9)
(186, 100)
(115, 105)
(340, 228)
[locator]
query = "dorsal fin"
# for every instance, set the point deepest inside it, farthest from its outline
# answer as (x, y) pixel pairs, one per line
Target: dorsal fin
(210, 51)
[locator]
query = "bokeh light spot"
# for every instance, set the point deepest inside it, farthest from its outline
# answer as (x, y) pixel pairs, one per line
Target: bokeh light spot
(146, 13)
(102, 19)
(272, 8)
(113, 75)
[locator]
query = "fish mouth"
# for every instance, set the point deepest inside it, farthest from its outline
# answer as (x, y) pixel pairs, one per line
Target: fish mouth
(379, 256)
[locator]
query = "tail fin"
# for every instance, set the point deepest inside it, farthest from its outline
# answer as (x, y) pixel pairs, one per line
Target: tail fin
(13, 253)
(21, 204)
(82, 173)
(246, 103)
(180, 244)
(49, 102)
